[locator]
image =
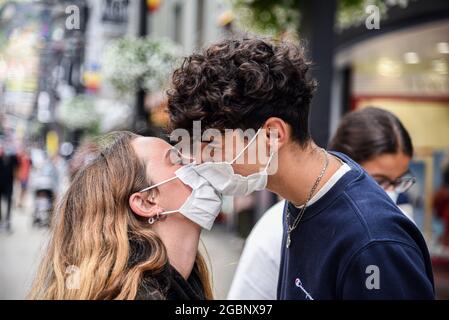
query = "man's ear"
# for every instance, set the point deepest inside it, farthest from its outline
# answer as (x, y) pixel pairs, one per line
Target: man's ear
(141, 205)
(277, 132)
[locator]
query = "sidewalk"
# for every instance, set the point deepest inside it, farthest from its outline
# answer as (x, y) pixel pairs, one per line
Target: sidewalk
(19, 255)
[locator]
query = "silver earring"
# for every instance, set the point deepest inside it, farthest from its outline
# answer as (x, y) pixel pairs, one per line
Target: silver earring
(154, 219)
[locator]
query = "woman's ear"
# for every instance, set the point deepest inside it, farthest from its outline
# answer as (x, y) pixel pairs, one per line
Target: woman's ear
(141, 205)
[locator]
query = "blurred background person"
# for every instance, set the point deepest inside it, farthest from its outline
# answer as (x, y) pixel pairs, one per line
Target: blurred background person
(441, 204)
(45, 183)
(8, 167)
(23, 175)
(375, 139)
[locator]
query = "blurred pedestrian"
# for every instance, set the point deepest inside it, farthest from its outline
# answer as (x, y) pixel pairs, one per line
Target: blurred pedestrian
(441, 205)
(45, 184)
(8, 166)
(378, 141)
(23, 175)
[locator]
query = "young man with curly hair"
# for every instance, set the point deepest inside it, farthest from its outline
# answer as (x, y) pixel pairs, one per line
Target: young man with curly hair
(343, 237)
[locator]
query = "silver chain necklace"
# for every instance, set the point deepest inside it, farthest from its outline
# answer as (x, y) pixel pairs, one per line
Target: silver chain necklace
(292, 227)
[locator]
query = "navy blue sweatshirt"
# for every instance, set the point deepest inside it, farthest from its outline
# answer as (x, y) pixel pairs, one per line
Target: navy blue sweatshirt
(354, 243)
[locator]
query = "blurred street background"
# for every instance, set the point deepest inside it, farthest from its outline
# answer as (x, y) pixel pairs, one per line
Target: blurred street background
(74, 69)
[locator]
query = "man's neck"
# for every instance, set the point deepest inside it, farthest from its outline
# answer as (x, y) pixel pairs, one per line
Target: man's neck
(181, 239)
(298, 170)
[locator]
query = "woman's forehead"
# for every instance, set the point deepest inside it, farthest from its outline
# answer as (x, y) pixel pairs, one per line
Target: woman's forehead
(148, 148)
(391, 166)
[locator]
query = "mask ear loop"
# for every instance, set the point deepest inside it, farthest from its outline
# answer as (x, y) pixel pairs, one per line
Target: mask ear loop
(158, 184)
(159, 216)
(272, 153)
(247, 146)
(269, 160)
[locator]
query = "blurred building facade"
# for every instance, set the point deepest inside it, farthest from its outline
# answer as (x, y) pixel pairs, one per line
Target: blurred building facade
(46, 63)
(403, 67)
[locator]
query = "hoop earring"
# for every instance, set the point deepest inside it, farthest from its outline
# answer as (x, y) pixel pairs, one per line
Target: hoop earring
(152, 220)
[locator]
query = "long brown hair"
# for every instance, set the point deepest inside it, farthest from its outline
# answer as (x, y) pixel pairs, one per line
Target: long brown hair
(99, 249)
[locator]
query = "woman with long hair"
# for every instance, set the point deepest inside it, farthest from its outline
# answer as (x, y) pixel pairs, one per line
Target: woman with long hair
(107, 238)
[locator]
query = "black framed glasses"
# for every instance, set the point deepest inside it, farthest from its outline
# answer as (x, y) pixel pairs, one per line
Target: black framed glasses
(400, 185)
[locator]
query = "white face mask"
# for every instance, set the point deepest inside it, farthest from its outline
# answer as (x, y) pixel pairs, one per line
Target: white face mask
(222, 177)
(204, 203)
(393, 195)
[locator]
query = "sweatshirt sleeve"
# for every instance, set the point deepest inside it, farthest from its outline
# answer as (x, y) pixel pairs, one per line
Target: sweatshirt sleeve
(386, 270)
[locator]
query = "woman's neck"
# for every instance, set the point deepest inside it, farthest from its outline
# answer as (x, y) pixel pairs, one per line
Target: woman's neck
(181, 239)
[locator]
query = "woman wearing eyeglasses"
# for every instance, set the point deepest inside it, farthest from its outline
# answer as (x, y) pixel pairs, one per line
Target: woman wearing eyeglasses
(374, 138)
(377, 140)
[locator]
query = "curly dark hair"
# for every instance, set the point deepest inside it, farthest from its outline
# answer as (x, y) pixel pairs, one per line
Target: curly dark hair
(240, 84)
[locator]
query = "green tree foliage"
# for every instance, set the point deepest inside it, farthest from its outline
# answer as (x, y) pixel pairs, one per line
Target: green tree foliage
(274, 17)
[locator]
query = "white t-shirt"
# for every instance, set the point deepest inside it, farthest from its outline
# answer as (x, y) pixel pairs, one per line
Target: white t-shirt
(256, 277)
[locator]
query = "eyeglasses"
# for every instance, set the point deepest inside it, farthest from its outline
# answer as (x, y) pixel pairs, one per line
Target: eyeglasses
(400, 185)
(175, 156)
